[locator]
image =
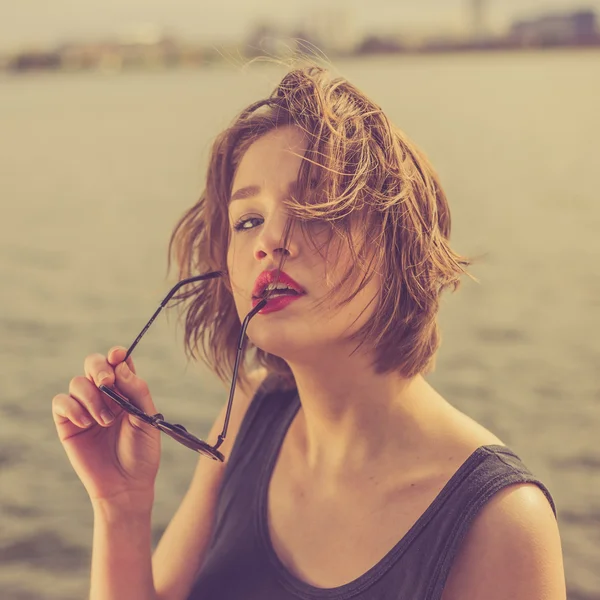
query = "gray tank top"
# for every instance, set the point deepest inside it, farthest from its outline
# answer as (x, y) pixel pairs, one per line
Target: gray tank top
(241, 563)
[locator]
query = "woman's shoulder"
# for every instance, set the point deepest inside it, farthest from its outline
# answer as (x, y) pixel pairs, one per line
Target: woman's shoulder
(455, 437)
(512, 547)
(515, 511)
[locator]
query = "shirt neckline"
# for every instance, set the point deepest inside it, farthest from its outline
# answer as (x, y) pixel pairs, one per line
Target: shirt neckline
(307, 591)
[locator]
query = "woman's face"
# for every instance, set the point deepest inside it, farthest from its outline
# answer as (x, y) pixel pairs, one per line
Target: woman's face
(295, 333)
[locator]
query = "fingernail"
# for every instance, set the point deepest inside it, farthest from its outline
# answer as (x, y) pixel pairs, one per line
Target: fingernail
(102, 376)
(106, 416)
(86, 421)
(110, 353)
(125, 371)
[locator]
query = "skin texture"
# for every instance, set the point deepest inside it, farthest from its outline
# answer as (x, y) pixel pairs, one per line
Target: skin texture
(118, 459)
(356, 429)
(117, 462)
(272, 164)
(350, 415)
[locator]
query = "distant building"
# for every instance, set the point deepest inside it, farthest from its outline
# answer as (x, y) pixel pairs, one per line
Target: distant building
(577, 28)
(33, 61)
(373, 44)
(478, 23)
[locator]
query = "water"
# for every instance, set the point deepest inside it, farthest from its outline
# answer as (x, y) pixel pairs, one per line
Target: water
(94, 172)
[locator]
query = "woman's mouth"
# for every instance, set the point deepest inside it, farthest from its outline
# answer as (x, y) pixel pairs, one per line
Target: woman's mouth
(276, 302)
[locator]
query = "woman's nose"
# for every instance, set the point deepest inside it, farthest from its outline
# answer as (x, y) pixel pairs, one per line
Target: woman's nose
(270, 242)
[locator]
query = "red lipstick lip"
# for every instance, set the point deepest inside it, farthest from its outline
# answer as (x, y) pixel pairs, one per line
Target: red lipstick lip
(267, 277)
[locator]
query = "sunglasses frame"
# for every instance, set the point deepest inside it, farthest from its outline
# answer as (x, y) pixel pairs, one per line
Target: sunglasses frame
(174, 430)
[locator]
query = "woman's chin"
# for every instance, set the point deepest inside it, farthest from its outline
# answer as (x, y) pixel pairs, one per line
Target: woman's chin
(278, 343)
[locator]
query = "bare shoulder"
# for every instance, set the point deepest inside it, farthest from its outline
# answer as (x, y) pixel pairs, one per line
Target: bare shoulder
(513, 547)
(463, 430)
(512, 550)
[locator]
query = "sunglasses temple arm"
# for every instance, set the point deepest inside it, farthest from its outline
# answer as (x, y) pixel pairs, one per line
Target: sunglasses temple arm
(181, 283)
(238, 356)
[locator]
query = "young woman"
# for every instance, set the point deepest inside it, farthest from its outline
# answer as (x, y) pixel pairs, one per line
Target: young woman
(345, 474)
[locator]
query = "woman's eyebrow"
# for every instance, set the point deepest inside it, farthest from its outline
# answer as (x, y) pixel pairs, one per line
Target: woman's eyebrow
(253, 190)
(245, 192)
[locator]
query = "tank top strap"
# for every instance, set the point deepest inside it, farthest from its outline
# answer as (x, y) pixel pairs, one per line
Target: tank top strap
(264, 412)
(253, 446)
(241, 564)
(500, 468)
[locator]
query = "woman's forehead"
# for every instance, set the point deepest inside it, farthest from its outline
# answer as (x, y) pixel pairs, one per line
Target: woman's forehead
(274, 159)
(288, 139)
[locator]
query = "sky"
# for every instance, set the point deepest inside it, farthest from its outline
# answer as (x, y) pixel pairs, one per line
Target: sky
(39, 23)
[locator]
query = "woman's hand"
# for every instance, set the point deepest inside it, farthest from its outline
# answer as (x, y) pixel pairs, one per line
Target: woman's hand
(115, 455)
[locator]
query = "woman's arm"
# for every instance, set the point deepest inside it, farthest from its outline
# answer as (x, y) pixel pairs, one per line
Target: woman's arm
(122, 551)
(182, 548)
(123, 567)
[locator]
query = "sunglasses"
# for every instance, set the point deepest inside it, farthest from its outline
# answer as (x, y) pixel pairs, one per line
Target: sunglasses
(174, 430)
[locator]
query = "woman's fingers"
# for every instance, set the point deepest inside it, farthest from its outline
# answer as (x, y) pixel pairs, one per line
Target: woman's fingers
(98, 370)
(134, 388)
(69, 415)
(92, 400)
(85, 404)
(117, 354)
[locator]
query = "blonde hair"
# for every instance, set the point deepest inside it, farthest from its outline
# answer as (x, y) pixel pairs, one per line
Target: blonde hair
(359, 170)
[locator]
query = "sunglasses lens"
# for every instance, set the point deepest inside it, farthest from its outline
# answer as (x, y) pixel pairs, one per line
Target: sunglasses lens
(177, 432)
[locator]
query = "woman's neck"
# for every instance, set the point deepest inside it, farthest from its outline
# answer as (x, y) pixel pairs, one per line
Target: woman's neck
(351, 417)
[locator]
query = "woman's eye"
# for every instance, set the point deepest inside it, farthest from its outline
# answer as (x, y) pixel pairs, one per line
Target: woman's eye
(241, 224)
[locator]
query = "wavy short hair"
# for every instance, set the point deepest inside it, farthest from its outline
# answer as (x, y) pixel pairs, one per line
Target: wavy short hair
(359, 170)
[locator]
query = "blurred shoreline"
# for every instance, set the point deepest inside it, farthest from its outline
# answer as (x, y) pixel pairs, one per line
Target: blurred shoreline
(149, 48)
